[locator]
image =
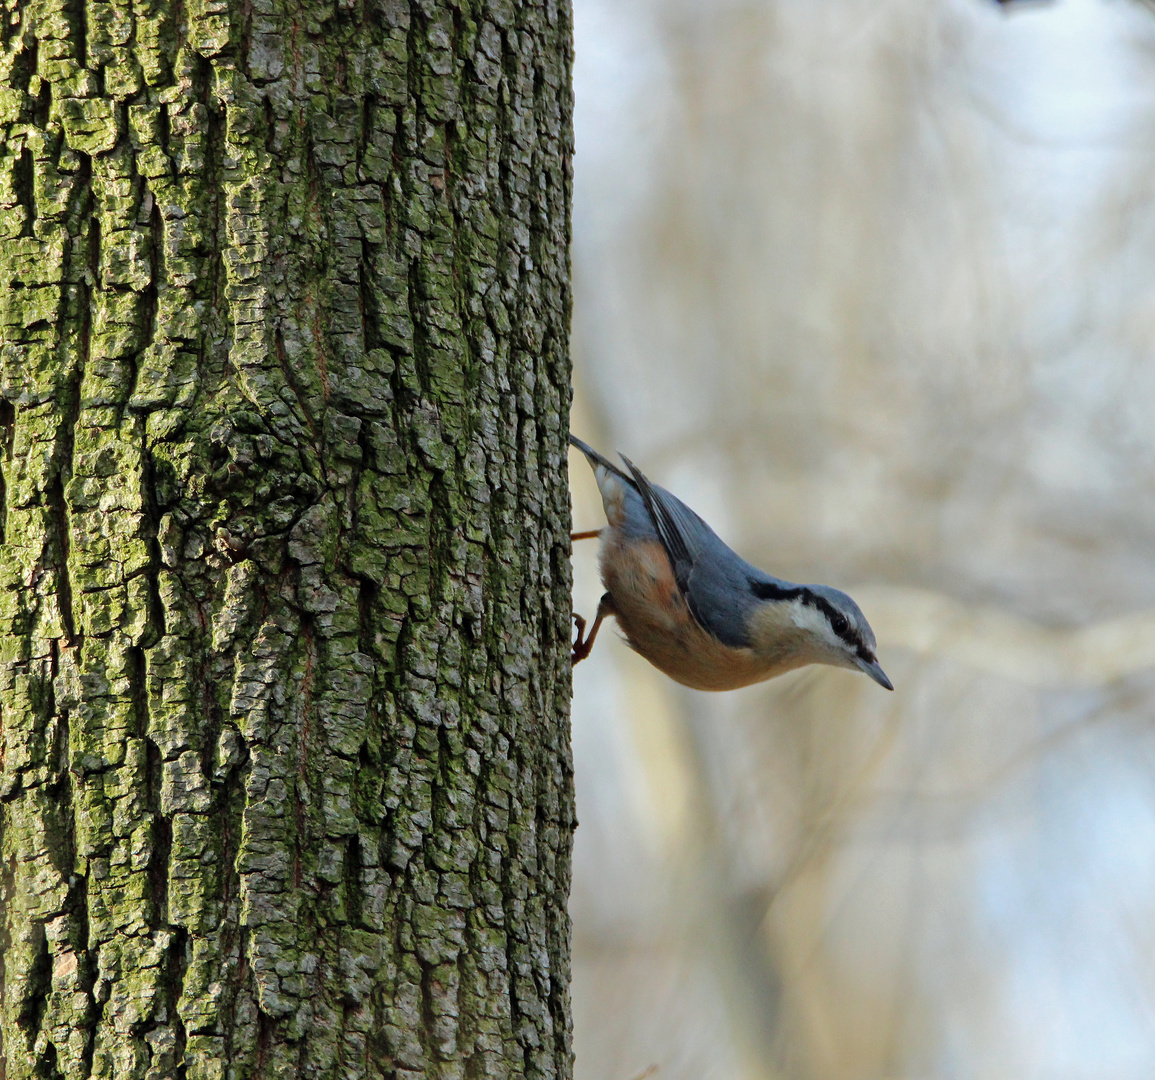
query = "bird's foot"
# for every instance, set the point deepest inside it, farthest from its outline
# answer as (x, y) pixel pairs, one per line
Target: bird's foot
(583, 645)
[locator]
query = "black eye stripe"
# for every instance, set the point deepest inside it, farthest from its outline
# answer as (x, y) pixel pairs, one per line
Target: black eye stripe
(838, 623)
(767, 590)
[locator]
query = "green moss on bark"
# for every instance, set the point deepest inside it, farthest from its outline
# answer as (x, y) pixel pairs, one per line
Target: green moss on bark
(285, 785)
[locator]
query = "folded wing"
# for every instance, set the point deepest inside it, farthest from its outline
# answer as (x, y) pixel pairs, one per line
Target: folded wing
(717, 584)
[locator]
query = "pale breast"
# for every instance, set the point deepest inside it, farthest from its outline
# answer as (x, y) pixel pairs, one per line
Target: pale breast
(613, 491)
(657, 623)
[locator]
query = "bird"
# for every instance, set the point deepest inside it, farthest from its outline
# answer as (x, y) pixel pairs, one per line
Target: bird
(698, 611)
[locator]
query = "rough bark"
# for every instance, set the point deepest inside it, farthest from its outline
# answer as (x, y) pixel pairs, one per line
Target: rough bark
(284, 585)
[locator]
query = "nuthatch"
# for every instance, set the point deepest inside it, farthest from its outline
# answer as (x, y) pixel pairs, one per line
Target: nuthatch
(697, 611)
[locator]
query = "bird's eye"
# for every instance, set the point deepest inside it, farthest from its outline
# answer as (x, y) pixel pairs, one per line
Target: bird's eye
(841, 626)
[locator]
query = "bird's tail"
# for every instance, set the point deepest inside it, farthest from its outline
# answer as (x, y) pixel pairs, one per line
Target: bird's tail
(596, 459)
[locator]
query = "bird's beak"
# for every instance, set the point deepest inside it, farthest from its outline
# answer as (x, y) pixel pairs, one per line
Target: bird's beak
(874, 670)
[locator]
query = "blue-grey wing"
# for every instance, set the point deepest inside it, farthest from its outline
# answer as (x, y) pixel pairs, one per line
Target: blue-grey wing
(681, 531)
(716, 583)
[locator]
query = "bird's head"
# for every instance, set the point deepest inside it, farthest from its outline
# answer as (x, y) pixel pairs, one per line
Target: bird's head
(843, 632)
(824, 624)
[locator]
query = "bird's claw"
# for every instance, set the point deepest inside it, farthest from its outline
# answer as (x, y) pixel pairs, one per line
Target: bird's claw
(581, 647)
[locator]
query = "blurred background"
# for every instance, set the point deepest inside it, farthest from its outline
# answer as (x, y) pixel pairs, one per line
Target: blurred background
(871, 285)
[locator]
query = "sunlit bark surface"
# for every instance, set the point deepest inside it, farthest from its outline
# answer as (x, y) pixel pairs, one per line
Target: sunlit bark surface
(284, 590)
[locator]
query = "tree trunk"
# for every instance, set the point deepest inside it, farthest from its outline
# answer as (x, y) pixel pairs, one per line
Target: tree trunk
(286, 782)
